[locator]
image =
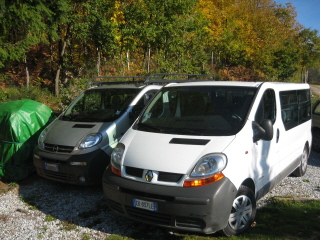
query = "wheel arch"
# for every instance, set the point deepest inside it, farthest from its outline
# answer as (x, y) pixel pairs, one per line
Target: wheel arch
(250, 184)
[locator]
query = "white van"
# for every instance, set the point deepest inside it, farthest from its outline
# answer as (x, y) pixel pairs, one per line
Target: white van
(202, 153)
(76, 147)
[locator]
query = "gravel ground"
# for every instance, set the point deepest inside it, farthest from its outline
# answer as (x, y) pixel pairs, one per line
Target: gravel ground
(41, 209)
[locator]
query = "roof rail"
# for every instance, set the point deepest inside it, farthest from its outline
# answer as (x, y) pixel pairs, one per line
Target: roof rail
(122, 80)
(177, 77)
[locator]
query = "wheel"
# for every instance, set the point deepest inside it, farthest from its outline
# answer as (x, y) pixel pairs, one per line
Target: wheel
(242, 213)
(301, 170)
(316, 140)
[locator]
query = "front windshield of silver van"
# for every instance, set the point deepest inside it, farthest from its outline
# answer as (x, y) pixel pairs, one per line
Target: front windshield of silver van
(206, 110)
(100, 105)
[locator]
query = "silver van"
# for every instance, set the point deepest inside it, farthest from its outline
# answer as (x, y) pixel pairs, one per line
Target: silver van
(76, 147)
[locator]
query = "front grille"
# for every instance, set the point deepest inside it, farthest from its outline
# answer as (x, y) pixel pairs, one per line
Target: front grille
(58, 148)
(49, 160)
(56, 175)
(163, 176)
(147, 195)
(169, 177)
(59, 176)
(190, 222)
(148, 216)
(135, 172)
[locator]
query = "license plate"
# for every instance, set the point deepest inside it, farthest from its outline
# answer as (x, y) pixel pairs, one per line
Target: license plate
(51, 167)
(151, 206)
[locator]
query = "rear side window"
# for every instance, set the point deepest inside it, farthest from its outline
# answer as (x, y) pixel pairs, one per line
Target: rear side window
(267, 107)
(295, 107)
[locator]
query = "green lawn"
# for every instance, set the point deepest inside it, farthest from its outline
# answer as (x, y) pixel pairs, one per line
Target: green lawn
(279, 220)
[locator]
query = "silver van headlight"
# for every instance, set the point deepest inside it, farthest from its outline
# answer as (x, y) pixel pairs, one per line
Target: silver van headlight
(90, 140)
(42, 137)
(209, 165)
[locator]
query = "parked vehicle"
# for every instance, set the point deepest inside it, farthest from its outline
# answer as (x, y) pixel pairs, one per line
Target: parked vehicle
(76, 147)
(202, 153)
(316, 126)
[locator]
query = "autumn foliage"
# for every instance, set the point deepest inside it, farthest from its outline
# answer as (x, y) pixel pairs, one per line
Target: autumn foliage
(52, 43)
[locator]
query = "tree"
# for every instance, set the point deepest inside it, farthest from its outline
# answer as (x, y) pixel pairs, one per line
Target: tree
(309, 46)
(21, 27)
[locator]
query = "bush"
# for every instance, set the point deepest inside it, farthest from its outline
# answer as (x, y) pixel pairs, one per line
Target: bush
(38, 94)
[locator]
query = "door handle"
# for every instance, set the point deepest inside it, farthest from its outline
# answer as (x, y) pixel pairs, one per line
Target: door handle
(278, 135)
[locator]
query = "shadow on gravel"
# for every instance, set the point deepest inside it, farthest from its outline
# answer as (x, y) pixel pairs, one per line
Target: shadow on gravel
(86, 207)
(314, 159)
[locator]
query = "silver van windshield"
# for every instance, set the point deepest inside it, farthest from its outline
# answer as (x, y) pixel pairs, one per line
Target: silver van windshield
(100, 105)
(206, 111)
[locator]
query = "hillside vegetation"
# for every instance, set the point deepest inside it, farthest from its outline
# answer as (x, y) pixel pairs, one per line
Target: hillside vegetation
(58, 45)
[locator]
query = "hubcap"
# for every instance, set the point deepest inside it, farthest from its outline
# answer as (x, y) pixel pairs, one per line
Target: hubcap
(241, 212)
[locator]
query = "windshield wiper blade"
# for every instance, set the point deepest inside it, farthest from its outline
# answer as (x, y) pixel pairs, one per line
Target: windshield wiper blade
(189, 131)
(150, 127)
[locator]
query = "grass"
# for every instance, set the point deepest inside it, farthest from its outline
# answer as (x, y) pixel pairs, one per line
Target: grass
(280, 220)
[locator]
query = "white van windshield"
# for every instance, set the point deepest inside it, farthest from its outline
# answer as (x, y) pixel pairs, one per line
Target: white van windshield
(100, 105)
(207, 111)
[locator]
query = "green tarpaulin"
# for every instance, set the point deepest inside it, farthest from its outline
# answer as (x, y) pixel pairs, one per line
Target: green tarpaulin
(21, 122)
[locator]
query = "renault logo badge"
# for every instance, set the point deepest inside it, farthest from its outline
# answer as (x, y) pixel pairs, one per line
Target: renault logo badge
(149, 176)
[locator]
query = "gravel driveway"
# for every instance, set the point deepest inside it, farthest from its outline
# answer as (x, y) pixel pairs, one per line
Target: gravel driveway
(41, 209)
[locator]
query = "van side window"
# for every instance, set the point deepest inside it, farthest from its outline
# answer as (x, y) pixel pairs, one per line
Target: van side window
(267, 107)
(295, 107)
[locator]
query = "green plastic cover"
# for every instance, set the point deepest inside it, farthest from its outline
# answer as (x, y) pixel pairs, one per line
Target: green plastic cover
(21, 122)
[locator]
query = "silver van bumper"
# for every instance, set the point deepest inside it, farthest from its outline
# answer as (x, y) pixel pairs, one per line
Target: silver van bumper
(57, 167)
(203, 209)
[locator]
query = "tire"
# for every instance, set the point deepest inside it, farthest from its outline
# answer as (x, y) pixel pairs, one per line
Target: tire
(301, 170)
(242, 213)
(316, 140)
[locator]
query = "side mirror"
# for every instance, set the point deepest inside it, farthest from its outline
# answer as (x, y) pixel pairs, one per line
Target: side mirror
(263, 131)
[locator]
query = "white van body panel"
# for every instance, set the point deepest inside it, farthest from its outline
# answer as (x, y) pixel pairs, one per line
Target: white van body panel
(153, 151)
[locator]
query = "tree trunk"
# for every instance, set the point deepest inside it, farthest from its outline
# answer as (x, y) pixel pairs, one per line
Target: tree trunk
(128, 61)
(63, 43)
(149, 59)
(27, 71)
(98, 62)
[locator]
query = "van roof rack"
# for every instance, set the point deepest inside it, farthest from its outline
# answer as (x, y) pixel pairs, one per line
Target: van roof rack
(117, 80)
(178, 77)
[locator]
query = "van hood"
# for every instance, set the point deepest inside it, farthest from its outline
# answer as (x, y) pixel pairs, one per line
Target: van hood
(169, 153)
(69, 133)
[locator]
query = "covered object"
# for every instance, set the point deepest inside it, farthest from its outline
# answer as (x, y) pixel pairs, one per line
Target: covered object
(21, 122)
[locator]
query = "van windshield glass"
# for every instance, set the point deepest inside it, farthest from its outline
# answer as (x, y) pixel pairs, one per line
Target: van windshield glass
(207, 111)
(100, 105)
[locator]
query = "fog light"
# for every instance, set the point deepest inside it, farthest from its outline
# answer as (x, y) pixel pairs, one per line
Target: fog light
(82, 179)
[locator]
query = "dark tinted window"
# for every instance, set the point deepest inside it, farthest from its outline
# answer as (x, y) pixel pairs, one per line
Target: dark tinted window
(295, 107)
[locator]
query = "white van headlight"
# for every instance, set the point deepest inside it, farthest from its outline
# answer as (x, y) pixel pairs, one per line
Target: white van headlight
(209, 165)
(90, 140)
(116, 158)
(208, 170)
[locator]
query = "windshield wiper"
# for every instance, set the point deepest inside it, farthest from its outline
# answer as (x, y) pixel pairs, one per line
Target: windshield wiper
(188, 131)
(150, 127)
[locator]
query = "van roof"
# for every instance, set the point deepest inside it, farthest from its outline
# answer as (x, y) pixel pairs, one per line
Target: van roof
(118, 86)
(278, 85)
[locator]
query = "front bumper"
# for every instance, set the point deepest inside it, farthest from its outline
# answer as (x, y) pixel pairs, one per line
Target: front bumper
(203, 209)
(60, 169)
